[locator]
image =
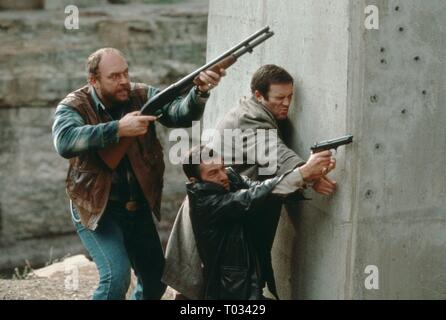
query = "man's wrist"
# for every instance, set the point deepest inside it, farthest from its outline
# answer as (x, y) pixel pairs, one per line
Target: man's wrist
(111, 132)
(201, 94)
(304, 173)
(307, 183)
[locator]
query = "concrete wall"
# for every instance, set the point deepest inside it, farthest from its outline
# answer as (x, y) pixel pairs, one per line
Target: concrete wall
(401, 180)
(389, 208)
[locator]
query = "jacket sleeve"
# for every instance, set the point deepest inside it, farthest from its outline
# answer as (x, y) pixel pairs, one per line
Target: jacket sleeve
(290, 183)
(276, 149)
(249, 182)
(71, 136)
(181, 111)
(238, 205)
(262, 145)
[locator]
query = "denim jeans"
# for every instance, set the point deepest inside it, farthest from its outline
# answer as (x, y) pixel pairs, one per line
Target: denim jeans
(124, 240)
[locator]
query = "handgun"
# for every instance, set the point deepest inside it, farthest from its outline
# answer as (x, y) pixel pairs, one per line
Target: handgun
(332, 144)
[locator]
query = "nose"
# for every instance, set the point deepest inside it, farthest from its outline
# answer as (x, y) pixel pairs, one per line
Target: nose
(223, 177)
(287, 101)
(123, 79)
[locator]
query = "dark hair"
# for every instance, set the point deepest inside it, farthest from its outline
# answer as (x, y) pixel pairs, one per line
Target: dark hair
(267, 75)
(94, 59)
(192, 160)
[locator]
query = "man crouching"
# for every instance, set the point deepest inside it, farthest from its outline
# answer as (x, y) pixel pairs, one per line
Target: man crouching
(223, 207)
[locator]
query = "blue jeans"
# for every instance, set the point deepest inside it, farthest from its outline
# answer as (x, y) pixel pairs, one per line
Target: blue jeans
(124, 240)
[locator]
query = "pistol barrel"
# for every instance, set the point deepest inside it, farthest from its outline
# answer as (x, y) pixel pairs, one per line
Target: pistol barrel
(332, 144)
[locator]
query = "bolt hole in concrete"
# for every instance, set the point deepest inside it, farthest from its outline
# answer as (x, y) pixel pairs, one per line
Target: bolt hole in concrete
(417, 58)
(383, 61)
(397, 8)
(424, 92)
(374, 98)
(369, 194)
(401, 29)
(403, 111)
(382, 49)
(377, 146)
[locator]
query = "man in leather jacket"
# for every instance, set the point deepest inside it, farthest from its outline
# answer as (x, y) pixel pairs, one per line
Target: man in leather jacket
(265, 110)
(223, 211)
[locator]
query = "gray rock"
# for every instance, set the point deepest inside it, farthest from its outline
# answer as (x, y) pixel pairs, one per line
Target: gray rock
(41, 62)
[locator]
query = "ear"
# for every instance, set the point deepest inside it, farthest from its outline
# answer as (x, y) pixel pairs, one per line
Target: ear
(193, 179)
(92, 80)
(258, 96)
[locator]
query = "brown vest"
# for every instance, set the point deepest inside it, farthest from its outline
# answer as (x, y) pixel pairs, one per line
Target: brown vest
(89, 179)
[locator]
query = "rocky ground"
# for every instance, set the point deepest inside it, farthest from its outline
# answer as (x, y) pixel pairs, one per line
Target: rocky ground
(74, 279)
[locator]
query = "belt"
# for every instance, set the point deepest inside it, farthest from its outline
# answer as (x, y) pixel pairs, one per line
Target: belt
(131, 205)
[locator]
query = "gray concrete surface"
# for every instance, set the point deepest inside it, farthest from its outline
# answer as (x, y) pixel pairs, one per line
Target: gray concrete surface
(386, 87)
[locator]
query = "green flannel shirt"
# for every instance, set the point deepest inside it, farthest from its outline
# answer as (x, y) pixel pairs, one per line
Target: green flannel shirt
(72, 136)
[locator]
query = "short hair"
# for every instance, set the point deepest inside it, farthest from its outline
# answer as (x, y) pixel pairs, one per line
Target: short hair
(267, 75)
(94, 59)
(190, 166)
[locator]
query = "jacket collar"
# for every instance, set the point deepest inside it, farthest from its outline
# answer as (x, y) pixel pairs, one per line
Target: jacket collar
(97, 102)
(206, 186)
(259, 108)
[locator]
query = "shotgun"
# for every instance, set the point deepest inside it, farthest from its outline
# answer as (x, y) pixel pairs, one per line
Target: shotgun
(113, 154)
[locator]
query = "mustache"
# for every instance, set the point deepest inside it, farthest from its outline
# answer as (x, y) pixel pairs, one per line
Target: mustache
(125, 88)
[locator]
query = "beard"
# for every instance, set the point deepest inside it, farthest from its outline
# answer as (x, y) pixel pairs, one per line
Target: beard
(118, 97)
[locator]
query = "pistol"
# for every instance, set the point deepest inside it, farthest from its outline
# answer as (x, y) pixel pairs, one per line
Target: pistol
(332, 144)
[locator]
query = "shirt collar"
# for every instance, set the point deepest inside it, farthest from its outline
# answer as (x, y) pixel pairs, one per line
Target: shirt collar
(97, 102)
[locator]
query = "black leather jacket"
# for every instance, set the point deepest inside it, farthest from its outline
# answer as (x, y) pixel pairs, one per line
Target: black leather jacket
(221, 221)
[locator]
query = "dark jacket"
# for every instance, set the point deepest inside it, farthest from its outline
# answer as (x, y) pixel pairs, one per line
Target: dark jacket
(222, 222)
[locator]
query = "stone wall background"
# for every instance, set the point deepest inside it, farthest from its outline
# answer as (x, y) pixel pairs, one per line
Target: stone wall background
(40, 62)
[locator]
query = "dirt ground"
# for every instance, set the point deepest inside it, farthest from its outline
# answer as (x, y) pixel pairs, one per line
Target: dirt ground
(57, 286)
(53, 288)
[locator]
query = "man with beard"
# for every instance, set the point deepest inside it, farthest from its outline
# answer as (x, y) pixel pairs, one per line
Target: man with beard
(266, 109)
(112, 209)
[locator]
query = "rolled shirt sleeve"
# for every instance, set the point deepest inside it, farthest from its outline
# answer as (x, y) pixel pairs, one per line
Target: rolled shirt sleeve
(72, 136)
(182, 111)
(292, 182)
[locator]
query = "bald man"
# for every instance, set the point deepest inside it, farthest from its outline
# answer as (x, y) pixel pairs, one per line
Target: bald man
(112, 209)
